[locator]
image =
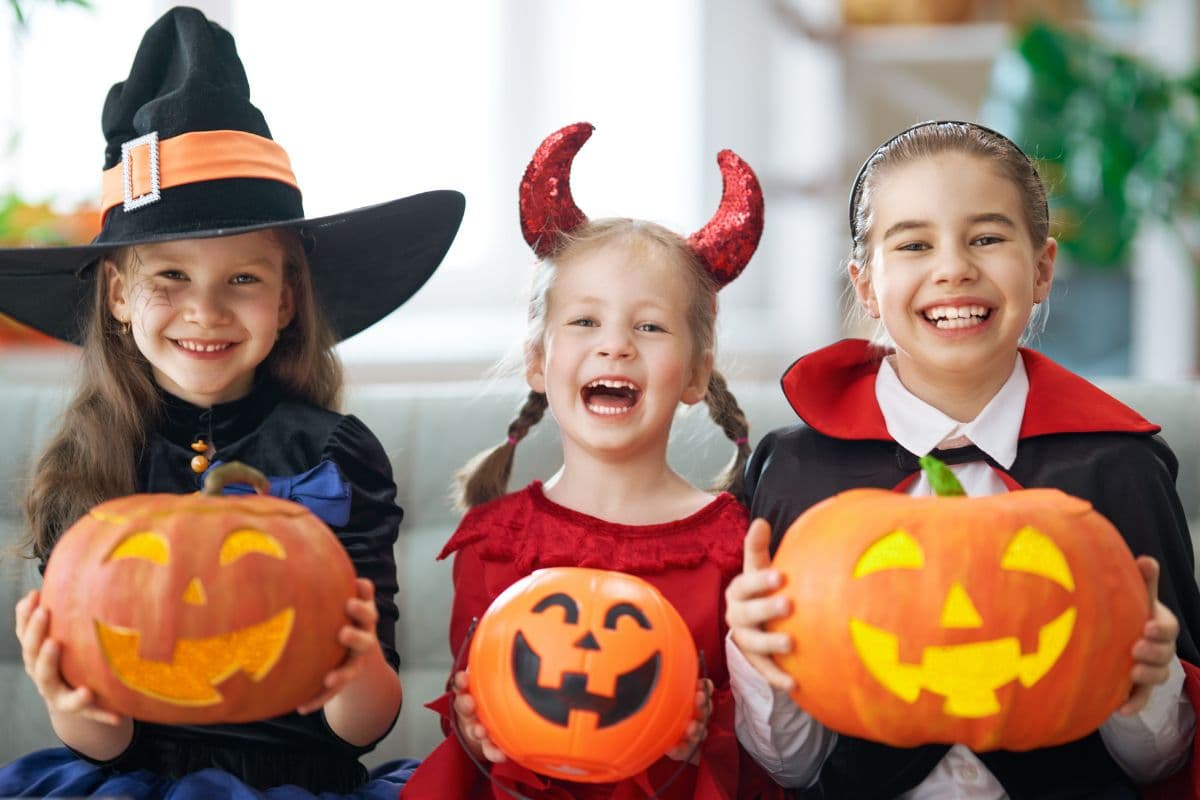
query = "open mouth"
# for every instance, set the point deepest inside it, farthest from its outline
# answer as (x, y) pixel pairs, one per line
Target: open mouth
(196, 346)
(610, 396)
(946, 318)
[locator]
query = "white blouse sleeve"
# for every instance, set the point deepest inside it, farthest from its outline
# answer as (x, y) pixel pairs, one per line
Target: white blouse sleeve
(789, 744)
(1154, 742)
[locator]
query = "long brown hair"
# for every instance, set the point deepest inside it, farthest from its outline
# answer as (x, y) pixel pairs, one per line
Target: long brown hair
(485, 477)
(94, 454)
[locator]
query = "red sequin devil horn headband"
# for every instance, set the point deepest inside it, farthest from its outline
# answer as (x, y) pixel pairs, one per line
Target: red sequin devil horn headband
(724, 245)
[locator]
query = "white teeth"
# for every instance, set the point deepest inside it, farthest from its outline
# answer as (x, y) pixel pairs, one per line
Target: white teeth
(198, 347)
(611, 384)
(938, 313)
(608, 411)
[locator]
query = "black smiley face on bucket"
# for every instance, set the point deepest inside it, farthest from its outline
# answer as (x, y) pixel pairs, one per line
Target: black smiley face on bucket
(619, 664)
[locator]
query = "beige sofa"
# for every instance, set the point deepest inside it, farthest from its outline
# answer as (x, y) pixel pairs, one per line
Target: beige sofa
(429, 429)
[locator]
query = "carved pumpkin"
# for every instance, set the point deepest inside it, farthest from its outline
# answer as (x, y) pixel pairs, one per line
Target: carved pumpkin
(197, 609)
(1000, 622)
(583, 674)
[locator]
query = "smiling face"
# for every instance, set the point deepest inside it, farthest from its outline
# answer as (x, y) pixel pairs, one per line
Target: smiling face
(204, 312)
(952, 272)
(617, 355)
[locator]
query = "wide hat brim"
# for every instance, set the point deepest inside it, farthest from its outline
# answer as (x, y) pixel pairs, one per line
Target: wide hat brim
(365, 264)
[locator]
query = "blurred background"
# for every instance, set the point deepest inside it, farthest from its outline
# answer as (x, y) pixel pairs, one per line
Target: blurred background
(375, 100)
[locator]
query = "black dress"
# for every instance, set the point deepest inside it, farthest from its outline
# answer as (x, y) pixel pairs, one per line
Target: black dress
(281, 438)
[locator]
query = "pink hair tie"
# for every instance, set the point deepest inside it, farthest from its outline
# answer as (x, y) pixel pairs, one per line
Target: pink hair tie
(741, 440)
(512, 440)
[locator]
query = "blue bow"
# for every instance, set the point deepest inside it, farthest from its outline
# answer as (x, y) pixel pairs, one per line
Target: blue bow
(322, 490)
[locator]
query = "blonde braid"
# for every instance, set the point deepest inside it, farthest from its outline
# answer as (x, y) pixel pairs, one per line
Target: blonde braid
(485, 477)
(724, 410)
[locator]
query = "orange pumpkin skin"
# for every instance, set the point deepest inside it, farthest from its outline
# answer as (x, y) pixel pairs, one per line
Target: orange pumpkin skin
(186, 609)
(1001, 622)
(583, 674)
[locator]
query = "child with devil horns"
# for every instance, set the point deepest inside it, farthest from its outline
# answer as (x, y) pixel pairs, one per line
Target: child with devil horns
(621, 332)
(207, 308)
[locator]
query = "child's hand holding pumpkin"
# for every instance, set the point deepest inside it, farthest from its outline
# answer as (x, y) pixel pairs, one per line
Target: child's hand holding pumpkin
(1152, 654)
(467, 720)
(697, 729)
(748, 608)
(359, 638)
(41, 656)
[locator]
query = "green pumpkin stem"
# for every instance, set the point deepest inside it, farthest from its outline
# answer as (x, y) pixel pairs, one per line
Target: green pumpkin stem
(234, 472)
(941, 478)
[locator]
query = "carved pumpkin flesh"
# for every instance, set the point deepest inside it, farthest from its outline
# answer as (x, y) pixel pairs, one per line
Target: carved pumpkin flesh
(995, 622)
(186, 609)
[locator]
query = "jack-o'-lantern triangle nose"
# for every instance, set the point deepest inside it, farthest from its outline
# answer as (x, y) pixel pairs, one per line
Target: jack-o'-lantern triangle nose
(588, 642)
(194, 593)
(958, 610)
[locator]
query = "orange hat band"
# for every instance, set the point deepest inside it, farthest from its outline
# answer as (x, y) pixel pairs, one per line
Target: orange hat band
(149, 165)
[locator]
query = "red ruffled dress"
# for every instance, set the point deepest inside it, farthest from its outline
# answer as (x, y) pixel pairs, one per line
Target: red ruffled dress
(690, 561)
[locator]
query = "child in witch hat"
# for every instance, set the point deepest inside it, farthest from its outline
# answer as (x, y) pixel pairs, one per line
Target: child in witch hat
(207, 308)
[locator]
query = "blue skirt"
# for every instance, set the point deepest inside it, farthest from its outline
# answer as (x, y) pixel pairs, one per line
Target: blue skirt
(57, 772)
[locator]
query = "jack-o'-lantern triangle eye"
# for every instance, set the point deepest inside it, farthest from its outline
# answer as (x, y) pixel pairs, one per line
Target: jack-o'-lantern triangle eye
(1033, 551)
(897, 550)
(146, 545)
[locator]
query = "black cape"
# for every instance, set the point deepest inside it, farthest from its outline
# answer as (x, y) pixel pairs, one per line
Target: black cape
(1074, 438)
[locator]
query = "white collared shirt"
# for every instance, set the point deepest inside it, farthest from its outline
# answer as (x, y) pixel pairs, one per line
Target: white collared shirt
(792, 746)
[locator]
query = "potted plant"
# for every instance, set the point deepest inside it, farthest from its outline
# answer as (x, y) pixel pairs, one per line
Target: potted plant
(1116, 140)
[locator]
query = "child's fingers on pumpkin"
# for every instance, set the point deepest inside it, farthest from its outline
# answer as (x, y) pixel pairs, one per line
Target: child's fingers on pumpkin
(102, 716)
(1154, 653)
(1163, 625)
(24, 610)
(75, 701)
(357, 640)
(89, 710)
(45, 669)
(1149, 569)
(1137, 700)
(490, 751)
(464, 704)
(1149, 675)
(753, 641)
(362, 613)
(36, 648)
(33, 639)
(462, 682)
(756, 613)
(777, 678)
(756, 547)
(752, 584)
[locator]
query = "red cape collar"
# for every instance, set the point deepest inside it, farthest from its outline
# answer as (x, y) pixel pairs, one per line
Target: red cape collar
(833, 391)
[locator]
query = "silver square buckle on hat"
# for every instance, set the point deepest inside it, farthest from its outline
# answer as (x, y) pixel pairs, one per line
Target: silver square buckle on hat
(155, 193)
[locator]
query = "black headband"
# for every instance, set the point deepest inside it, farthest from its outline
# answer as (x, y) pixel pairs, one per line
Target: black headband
(856, 189)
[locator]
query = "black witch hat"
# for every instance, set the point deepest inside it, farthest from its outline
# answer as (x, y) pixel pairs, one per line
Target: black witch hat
(189, 156)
